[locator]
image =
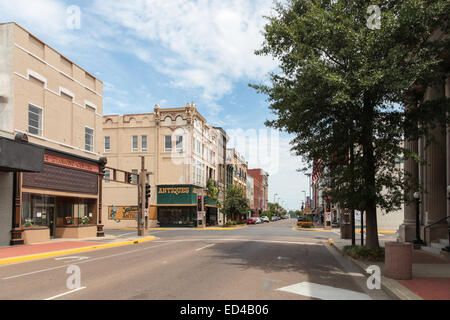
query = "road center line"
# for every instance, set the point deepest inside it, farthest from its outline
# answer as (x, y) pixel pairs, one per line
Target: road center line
(65, 293)
(209, 245)
(81, 262)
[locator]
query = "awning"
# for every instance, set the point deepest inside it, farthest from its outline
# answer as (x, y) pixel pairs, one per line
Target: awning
(16, 156)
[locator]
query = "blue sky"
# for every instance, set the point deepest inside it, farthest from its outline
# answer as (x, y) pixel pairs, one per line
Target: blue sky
(170, 52)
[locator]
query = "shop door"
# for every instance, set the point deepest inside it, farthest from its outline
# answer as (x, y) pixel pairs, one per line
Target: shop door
(51, 221)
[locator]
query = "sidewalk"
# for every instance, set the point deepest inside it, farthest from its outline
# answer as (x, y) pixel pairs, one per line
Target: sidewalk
(59, 247)
(430, 275)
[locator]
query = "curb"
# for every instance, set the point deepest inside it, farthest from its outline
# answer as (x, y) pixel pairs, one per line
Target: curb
(390, 286)
(69, 251)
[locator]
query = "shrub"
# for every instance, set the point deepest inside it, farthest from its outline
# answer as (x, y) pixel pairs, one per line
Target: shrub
(363, 253)
(305, 224)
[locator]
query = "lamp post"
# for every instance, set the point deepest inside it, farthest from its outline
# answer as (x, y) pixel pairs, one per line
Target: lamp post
(447, 248)
(417, 242)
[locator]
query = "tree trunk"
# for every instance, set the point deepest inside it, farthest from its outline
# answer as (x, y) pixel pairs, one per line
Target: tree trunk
(369, 175)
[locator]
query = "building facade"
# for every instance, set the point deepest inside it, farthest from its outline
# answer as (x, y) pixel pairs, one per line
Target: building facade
(51, 131)
(261, 190)
(182, 153)
(433, 176)
(251, 195)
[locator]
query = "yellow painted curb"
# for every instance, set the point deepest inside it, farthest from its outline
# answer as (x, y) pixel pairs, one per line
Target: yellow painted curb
(69, 251)
(390, 232)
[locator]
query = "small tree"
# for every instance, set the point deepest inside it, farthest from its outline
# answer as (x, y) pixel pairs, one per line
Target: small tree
(235, 202)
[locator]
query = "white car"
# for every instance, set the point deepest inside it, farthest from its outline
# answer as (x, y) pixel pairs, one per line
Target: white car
(258, 220)
(265, 219)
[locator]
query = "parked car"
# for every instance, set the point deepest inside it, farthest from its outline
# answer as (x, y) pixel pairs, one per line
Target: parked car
(258, 220)
(265, 219)
(251, 221)
(275, 218)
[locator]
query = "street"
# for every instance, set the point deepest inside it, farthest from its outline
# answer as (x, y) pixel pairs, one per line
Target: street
(260, 262)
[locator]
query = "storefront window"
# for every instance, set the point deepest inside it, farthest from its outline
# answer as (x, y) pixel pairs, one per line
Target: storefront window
(41, 210)
(76, 211)
(177, 216)
(37, 210)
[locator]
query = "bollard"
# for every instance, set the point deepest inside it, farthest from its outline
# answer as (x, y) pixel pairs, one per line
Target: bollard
(398, 260)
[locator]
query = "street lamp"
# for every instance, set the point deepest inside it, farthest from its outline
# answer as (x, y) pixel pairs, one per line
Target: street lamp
(447, 248)
(418, 242)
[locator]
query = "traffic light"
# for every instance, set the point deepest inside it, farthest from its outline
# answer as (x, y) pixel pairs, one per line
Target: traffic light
(199, 203)
(129, 178)
(328, 204)
(147, 194)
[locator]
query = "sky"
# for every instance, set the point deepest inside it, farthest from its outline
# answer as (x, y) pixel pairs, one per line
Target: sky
(171, 52)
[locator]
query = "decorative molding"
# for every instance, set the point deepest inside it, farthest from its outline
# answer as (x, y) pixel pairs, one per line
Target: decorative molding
(56, 69)
(61, 89)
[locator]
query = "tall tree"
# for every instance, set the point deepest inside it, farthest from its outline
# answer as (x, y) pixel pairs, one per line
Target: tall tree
(342, 83)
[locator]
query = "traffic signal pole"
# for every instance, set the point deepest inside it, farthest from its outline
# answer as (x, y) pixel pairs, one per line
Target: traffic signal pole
(141, 197)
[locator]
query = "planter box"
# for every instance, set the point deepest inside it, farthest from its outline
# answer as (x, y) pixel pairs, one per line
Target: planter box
(36, 235)
(76, 232)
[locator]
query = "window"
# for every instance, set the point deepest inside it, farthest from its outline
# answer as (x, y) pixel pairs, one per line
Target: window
(107, 176)
(89, 139)
(168, 143)
(179, 143)
(135, 143)
(107, 144)
(34, 120)
(134, 176)
(144, 143)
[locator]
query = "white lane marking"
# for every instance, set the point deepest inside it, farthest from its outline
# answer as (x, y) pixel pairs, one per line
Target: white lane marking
(124, 234)
(72, 257)
(77, 263)
(315, 290)
(245, 240)
(209, 245)
(65, 293)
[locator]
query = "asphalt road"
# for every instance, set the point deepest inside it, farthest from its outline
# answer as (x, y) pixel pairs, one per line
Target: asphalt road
(252, 263)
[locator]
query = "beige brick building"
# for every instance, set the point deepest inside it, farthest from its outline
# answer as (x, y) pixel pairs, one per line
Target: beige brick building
(56, 106)
(181, 152)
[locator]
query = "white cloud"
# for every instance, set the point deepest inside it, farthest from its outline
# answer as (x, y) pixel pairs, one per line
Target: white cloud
(46, 17)
(205, 45)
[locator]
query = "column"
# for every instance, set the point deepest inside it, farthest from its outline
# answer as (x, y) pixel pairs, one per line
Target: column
(435, 176)
(408, 227)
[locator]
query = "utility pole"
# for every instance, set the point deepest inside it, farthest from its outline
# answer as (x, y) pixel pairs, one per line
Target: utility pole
(141, 197)
(202, 210)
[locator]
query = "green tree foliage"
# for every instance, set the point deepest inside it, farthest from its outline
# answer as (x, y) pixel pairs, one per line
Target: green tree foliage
(212, 191)
(342, 86)
(235, 202)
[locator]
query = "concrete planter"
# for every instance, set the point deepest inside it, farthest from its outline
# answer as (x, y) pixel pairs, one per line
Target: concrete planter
(76, 232)
(36, 235)
(398, 260)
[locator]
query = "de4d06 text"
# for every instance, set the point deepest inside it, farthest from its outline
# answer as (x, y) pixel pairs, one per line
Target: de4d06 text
(246, 309)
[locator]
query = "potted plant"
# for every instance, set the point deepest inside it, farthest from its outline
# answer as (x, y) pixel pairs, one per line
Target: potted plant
(85, 220)
(69, 220)
(28, 223)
